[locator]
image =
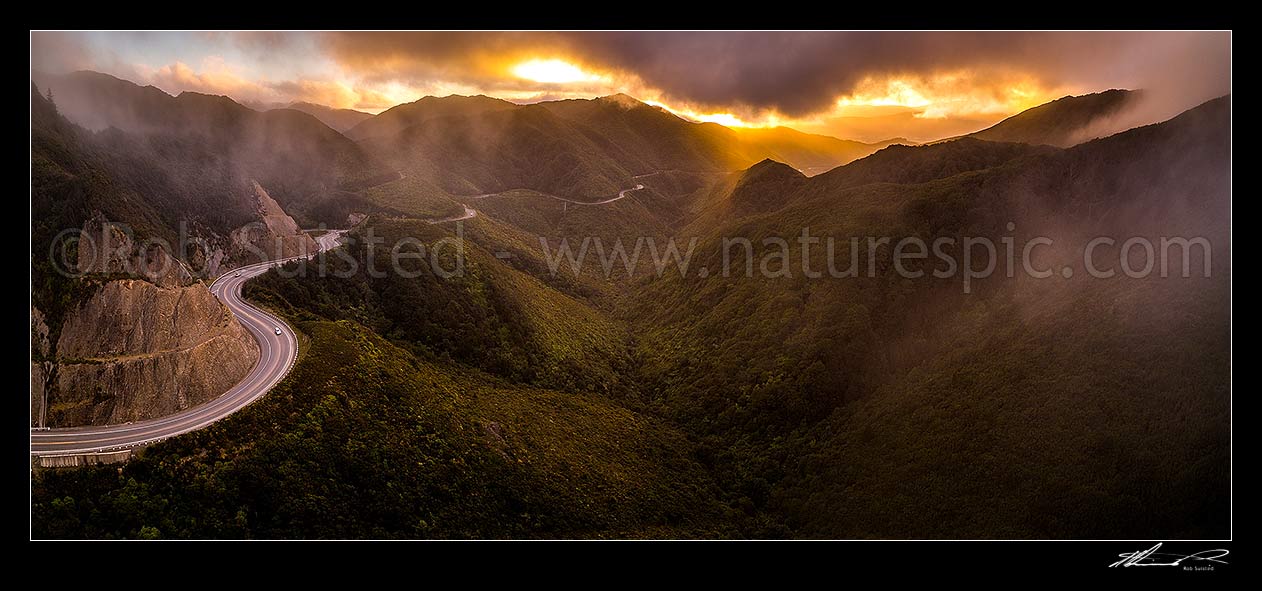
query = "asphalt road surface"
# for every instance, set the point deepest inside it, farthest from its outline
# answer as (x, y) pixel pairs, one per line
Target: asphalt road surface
(469, 213)
(277, 353)
(621, 194)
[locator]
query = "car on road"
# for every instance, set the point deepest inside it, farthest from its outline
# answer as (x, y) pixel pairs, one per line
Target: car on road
(237, 274)
(277, 330)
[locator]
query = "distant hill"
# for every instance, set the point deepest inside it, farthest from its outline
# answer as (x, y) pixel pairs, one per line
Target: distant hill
(303, 163)
(71, 178)
(497, 150)
(646, 139)
(443, 149)
(400, 117)
(1066, 121)
(810, 153)
(163, 186)
(764, 187)
(98, 101)
(339, 119)
(919, 164)
(671, 138)
(770, 185)
(582, 149)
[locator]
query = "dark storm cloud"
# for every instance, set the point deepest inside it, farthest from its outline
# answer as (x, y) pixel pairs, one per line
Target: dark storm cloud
(799, 73)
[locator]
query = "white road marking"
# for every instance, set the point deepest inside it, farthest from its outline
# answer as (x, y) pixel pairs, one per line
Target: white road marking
(276, 358)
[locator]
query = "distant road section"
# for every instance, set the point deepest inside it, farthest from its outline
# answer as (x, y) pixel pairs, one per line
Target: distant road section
(277, 353)
(469, 213)
(621, 194)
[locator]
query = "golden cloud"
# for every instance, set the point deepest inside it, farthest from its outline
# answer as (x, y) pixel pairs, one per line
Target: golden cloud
(215, 77)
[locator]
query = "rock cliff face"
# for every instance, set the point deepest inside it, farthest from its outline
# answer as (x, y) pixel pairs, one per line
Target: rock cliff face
(134, 351)
(149, 339)
(122, 389)
(39, 378)
(39, 333)
(134, 317)
(134, 348)
(40, 348)
(275, 234)
(105, 248)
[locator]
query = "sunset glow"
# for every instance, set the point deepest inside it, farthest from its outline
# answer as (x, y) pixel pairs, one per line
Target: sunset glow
(552, 71)
(725, 119)
(950, 94)
(896, 93)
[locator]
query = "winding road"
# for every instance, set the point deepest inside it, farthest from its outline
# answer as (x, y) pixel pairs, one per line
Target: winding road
(277, 354)
(621, 194)
(469, 213)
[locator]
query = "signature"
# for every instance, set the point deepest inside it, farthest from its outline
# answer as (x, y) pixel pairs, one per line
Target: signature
(1151, 557)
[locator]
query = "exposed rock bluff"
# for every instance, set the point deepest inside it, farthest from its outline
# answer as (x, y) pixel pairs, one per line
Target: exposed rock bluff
(146, 338)
(276, 234)
(134, 317)
(133, 350)
(107, 248)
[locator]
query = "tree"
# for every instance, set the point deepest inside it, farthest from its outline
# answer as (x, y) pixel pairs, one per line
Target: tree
(49, 96)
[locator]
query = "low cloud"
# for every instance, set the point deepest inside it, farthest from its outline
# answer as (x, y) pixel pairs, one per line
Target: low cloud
(333, 93)
(214, 77)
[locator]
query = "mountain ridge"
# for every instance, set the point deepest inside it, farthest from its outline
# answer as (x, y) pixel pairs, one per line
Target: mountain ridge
(1068, 120)
(307, 166)
(340, 120)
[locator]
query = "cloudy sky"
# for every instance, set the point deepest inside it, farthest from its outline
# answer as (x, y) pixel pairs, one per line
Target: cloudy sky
(860, 85)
